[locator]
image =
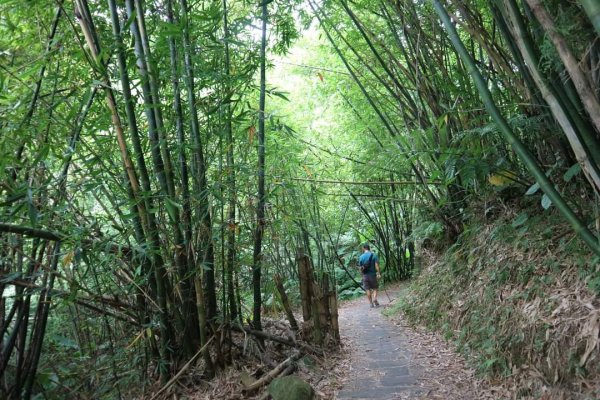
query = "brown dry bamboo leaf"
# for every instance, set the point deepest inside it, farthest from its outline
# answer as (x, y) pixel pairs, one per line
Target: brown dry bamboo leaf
(592, 329)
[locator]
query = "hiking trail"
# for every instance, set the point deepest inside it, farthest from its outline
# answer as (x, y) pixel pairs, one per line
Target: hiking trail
(391, 360)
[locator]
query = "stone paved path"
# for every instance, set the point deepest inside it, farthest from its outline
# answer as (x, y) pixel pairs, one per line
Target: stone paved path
(382, 366)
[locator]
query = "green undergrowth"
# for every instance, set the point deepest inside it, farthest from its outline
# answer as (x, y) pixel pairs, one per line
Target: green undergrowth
(519, 297)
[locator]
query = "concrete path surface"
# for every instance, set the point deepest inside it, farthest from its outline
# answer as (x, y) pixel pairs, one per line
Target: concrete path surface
(382, 365)
(388, 358)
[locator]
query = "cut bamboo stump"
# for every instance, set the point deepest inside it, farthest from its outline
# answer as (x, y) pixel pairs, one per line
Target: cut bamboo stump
(333, 307)
(305, 283)
(319, 303)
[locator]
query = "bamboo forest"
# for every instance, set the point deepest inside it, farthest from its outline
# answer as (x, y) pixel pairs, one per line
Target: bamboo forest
(300, 199)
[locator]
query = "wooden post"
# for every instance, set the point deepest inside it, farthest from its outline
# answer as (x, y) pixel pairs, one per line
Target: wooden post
(285, 302)
(305, 283)
(316, 315)
(335, 327)
(324, 301)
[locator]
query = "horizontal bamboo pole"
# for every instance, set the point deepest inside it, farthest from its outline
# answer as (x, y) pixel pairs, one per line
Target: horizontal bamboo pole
(365, 182)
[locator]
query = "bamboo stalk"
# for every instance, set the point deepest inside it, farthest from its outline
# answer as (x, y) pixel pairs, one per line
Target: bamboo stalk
(592, 9)
(517, 145)
(191, 334)
(285, 302)
(88, 31)
(260, 209)
(198, 167)
(231, 177)
(203, 325)
(588, 166)
(367, 182)
(582, 86)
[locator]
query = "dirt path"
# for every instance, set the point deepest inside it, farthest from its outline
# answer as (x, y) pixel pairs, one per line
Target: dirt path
(391, 360)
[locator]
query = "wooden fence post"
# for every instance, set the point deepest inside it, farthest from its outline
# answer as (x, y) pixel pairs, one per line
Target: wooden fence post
(305, 283)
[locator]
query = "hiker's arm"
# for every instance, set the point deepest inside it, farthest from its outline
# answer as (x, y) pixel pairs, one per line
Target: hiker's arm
(377, 268)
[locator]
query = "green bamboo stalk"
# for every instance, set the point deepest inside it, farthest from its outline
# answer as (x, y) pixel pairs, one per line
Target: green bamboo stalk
(157, 109)
(159, 278)
(200, 186)
(389, 127)
(411, 104)
(231, 182)
(89, 32)
(191, 333)
(582, 86)
(260, 210)
(592, 9)
(556, 104)
(527, 158)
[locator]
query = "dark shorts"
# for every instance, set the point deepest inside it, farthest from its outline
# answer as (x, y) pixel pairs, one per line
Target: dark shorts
(370, 282)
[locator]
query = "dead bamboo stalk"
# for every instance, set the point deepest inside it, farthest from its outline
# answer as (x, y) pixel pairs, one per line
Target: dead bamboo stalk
(362, 183)
(182, 370)
(285, 302)
(278, 339)
(273, 373)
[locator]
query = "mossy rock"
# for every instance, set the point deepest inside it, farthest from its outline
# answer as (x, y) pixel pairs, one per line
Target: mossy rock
(290, 388)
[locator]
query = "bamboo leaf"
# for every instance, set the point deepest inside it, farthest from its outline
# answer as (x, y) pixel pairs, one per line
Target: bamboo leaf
(68, 258)
(31, 209)
(572, 172)
(172, 207)
(532, 189)
(546, 202)
(520, 220)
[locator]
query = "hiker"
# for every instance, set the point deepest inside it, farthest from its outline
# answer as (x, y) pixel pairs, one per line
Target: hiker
(369, 267)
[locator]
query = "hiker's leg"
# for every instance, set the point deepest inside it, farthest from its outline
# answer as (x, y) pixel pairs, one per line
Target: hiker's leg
(375, 287)
(367, 287)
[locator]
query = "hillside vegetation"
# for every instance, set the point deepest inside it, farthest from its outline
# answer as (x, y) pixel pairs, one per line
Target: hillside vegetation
(519, 297)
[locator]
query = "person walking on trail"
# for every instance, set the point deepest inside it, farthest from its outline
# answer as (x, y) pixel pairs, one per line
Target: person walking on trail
(369, 267)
